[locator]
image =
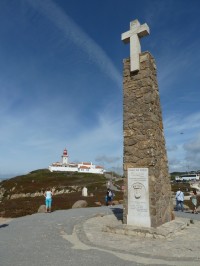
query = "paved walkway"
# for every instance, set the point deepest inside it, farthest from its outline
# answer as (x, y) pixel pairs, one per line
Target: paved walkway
(76, 237)
(183, 248)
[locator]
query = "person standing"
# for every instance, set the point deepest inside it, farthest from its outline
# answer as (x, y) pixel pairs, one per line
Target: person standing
(179, 200)
(194, 201)
(106, 199)
(48, 199)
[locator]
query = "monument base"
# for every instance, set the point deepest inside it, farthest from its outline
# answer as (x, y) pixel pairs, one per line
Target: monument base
(164, 231)
(142, 221)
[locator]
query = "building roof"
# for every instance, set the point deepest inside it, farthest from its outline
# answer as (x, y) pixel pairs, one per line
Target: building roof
(84, 167)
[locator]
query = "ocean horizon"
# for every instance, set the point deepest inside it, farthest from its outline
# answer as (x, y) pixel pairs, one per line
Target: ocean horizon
(7, 176)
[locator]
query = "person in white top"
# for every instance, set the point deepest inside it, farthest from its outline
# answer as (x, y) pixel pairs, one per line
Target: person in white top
(179, 200)
(48, 199)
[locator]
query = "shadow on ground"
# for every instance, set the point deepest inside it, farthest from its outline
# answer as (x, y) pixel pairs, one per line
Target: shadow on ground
(118, 212)
(4, 225)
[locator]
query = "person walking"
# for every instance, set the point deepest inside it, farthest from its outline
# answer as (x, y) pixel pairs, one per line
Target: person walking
(109, 197)
(179, 200)
(48, 199)
(194, 201)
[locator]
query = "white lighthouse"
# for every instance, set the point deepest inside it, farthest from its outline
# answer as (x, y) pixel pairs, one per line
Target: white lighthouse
(65, 157)
(84, 167)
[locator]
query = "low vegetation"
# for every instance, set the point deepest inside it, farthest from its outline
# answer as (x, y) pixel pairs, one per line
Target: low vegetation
(23, 195)
(31, 187)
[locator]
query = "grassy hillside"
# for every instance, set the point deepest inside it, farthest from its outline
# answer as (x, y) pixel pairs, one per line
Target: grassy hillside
(37, 182)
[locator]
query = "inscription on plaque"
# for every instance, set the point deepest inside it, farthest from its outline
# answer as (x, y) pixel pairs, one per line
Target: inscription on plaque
(138, 197)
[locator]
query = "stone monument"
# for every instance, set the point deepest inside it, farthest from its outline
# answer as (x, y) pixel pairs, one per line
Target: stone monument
(147, 195)
(84, 192)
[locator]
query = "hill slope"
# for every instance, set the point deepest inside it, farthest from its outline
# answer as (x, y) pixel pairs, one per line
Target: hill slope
(22, 195)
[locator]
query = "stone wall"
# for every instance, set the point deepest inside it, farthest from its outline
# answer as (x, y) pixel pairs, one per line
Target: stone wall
(144, 143)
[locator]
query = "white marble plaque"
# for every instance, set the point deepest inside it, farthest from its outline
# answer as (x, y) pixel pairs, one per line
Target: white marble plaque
(138, 197)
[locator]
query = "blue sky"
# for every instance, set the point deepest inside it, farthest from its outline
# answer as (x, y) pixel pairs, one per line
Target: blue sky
(61, 79)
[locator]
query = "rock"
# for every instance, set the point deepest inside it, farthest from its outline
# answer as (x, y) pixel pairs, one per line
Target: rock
(98, 203)
(185, 207)
(42, 209)
(120, 201)
(115, 202)
(99, 215)
(2, 191)
(80, 204)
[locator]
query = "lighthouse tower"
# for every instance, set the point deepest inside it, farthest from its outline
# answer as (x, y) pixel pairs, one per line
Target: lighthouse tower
(65, 157)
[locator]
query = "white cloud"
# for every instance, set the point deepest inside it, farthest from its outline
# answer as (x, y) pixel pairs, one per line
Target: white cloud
(177, 124)
(172, 148)
(106, 135)
(75, 34)
(107, 159)
(192, 152)
(193, 146)
(183, 149)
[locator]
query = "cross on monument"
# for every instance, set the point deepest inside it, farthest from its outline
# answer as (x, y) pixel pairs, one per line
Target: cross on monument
(133, 36)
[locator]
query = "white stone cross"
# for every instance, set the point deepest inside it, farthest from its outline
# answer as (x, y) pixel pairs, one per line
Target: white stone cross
(133, 36)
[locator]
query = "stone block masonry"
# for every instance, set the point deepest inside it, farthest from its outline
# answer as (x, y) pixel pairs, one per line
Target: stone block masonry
(144, 142)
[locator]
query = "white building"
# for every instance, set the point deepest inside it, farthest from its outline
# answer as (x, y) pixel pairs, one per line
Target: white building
(84, 167)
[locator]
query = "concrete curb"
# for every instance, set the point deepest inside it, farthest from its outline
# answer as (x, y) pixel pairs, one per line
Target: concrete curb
(92, 233)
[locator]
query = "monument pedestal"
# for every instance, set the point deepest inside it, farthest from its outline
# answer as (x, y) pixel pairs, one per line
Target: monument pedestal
(145, 159)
